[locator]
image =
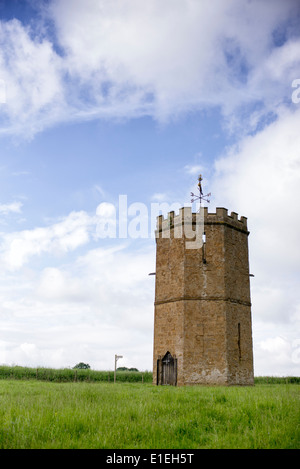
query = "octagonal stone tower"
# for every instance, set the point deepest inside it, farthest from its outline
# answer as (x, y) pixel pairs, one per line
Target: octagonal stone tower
(202, 323)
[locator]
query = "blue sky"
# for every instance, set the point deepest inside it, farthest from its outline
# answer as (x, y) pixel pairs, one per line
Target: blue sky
(106, 98)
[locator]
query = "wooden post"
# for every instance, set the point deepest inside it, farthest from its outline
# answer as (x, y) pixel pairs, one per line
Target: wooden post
(116, 359)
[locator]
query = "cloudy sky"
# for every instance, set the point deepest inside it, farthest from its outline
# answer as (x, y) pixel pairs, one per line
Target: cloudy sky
(108, 107)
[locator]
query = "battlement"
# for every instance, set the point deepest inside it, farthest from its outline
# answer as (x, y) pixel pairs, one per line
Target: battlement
(202, 326)
(186, 217)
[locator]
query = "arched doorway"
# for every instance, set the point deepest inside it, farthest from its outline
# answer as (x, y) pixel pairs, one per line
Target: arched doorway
(169, 370)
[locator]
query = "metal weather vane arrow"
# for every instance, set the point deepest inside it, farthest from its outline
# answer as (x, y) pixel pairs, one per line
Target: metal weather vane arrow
(200, 196)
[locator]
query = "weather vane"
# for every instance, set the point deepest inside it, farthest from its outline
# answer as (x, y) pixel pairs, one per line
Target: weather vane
(200, 196)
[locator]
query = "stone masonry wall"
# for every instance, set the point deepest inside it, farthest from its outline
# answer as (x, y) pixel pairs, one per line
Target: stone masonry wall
(202, 299)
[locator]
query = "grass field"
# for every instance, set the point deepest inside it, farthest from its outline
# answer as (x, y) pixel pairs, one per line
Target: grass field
(64, 375)
(37, 414)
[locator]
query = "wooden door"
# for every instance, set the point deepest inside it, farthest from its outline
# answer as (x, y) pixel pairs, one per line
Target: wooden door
(169, 370)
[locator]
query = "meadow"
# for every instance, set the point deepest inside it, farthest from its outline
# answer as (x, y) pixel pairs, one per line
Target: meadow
(64, 375)
(40, 414)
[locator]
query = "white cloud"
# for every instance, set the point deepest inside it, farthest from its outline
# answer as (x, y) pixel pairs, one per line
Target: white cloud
(88, 310)
(13, 207)
(259, 178)
(194, 170)
(66, 235)
(127, 58)
(276, 345)
(32, 74)
(55, 285)
(179, 52)
(84, 308)
(280, 353)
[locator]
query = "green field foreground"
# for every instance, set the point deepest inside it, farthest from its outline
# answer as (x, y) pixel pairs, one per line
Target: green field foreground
(37, 414)
(63, 375)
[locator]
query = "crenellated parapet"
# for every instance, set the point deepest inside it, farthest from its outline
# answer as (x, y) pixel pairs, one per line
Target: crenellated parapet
(188, 219)
(202, 327)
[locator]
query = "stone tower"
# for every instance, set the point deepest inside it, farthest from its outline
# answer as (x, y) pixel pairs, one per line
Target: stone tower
(202, 324)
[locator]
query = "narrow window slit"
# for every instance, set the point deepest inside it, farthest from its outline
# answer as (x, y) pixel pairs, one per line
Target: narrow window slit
(239, 340)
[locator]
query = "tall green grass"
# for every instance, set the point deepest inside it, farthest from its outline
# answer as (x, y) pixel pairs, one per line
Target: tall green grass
(36, 414)
(70, 375)
(277, 380)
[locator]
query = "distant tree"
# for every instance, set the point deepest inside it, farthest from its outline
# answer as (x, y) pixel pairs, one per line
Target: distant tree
(82, 366)
(124, 368)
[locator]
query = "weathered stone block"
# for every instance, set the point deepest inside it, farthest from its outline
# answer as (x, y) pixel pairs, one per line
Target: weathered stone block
(202, 323)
